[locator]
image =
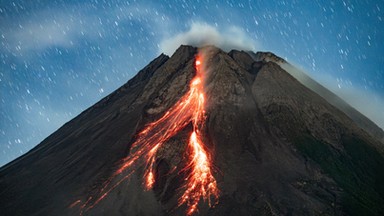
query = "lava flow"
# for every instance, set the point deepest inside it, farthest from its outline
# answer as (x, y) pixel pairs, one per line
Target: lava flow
(199, 183)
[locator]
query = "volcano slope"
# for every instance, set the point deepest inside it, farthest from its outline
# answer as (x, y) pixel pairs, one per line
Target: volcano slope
(276, 147)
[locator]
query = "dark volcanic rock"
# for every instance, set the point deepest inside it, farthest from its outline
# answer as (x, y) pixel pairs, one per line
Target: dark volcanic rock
(333, 99)
(279, 148)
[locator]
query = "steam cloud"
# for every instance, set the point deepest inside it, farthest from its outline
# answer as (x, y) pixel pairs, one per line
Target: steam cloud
(201, 34)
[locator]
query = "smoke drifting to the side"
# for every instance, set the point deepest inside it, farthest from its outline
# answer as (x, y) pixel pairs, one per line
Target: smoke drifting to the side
(365, 101)
(201, 34)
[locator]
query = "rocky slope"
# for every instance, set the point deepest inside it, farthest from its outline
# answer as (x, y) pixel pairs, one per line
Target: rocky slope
(279, 148)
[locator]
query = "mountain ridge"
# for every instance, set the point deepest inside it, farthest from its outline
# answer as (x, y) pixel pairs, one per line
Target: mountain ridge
(276, 145)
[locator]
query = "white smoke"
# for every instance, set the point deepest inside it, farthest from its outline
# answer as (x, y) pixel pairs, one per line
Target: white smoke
(201, 34)
(362, 99)
(366, 101)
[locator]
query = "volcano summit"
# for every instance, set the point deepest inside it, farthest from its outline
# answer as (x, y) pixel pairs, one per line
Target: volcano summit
(205, 132)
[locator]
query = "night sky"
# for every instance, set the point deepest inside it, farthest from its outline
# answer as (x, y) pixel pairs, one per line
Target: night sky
(60, 57)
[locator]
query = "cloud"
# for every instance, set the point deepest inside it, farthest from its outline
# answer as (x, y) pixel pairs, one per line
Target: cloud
(58, 29)
(367, 102)
(52, 28)
(201, 34)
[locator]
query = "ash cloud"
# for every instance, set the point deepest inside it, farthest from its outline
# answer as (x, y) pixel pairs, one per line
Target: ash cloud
(200, 34)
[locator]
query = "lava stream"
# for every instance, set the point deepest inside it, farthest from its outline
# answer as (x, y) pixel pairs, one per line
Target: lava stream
(200, 182)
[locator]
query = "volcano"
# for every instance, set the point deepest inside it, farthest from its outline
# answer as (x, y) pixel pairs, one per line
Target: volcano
(205, 132)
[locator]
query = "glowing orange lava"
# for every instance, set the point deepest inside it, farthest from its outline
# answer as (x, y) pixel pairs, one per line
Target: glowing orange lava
(199, 183)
